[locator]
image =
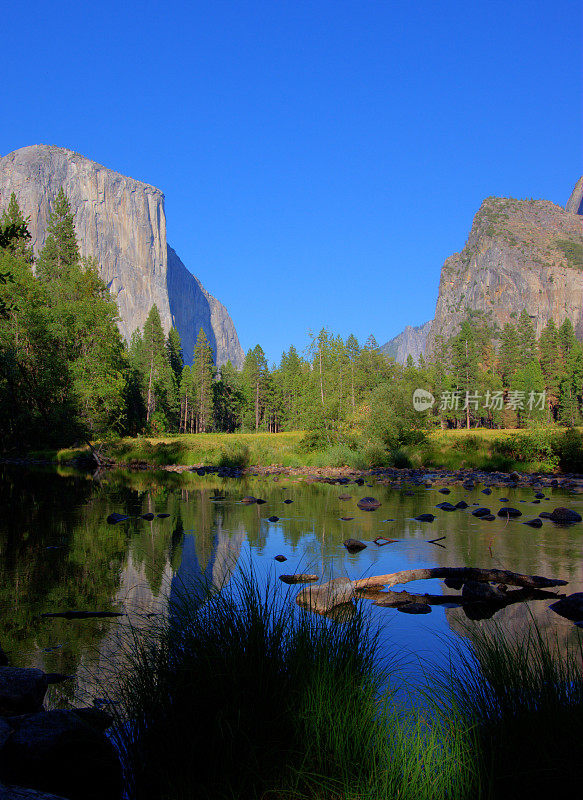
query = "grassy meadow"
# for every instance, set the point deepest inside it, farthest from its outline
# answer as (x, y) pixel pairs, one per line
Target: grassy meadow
(540, 449)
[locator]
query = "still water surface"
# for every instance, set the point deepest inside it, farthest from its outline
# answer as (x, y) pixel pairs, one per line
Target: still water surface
(58, 553)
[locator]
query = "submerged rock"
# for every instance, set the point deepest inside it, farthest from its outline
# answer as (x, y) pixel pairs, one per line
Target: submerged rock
(368, 504)
(248, 500)
(300, 577)
(425, 517)
(280, 558)
(273, 519)
(414, 608)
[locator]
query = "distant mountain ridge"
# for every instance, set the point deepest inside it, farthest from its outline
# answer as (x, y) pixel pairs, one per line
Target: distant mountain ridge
(122, 223)
(410, 342)
(520, 254)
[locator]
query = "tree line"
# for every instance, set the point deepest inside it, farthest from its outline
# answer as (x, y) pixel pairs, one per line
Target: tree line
(67, 375)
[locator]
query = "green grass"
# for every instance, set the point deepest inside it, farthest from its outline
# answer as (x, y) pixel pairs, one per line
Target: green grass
(524, 695)
(245, 696)
(539, 449)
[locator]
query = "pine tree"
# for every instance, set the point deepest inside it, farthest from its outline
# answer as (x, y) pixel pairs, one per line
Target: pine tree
(526, 339)
(202, 377)
(14, 233)
(60, 252)
(157, 375)
(254, 375)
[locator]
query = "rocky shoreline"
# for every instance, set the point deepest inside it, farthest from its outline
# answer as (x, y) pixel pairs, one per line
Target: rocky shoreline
(61, 754)
(390, 476)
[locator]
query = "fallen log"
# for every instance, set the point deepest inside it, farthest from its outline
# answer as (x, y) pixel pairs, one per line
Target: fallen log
(324, 597)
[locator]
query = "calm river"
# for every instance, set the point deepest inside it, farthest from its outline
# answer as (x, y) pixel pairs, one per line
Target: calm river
(58, 553)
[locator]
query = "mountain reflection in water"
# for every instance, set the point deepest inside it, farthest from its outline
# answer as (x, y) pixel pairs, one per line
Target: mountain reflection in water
(58, 553)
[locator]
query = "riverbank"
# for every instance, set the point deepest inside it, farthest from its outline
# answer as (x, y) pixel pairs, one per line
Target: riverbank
(545, 451)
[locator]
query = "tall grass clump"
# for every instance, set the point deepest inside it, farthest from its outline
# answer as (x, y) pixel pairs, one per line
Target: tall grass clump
(524, 695)
(242, 695)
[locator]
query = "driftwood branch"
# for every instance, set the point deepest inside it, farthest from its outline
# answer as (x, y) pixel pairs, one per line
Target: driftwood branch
(326, 596)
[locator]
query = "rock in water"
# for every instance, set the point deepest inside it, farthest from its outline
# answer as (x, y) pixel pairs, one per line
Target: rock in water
(368, 504)
(21, 690)
(570, 607)
(425, 518)
(564, 515)
(60, 752)
(122, 223)
(509, 512)
(414, 608)
(114, 518)
(446, 507)
(299, 577)
(481, 512)
(354, 545)
(534, 523)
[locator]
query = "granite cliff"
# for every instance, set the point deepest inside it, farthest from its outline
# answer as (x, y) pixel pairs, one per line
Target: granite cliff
(410, 342)
(122, 223)
(519, 254)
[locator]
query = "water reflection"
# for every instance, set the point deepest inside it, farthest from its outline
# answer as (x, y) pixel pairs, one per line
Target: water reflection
(57, 552)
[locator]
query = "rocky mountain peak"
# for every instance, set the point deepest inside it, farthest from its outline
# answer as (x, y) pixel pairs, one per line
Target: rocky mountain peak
(122, 223)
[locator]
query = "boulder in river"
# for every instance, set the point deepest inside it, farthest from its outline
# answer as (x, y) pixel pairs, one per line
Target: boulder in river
(570, 607)
(345, 497)
(21, 690)
(461, 505)
(248, 500)
(561, 514)
(414, 608)
(425, 517)
(446, 507)
(273, 519)
(300, 577)
(481, 512)
(61, 752)
(280, 558)
(480, 591)
(487, 490)
(507, 511)
(444, 490)
(354, 545)
(115, 518)
(534, 523)
(368, 504)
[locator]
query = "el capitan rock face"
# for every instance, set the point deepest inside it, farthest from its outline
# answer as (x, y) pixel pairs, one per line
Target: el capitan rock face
(122, 223)
(519, 254)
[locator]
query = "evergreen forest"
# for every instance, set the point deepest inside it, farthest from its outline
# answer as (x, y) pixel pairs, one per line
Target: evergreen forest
(67, 376)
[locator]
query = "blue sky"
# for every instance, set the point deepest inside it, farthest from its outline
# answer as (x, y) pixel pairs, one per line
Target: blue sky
(320, 160)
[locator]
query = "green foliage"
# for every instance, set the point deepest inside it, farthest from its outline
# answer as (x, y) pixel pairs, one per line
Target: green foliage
(509, 686)
(285, 704)
(573, 252)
